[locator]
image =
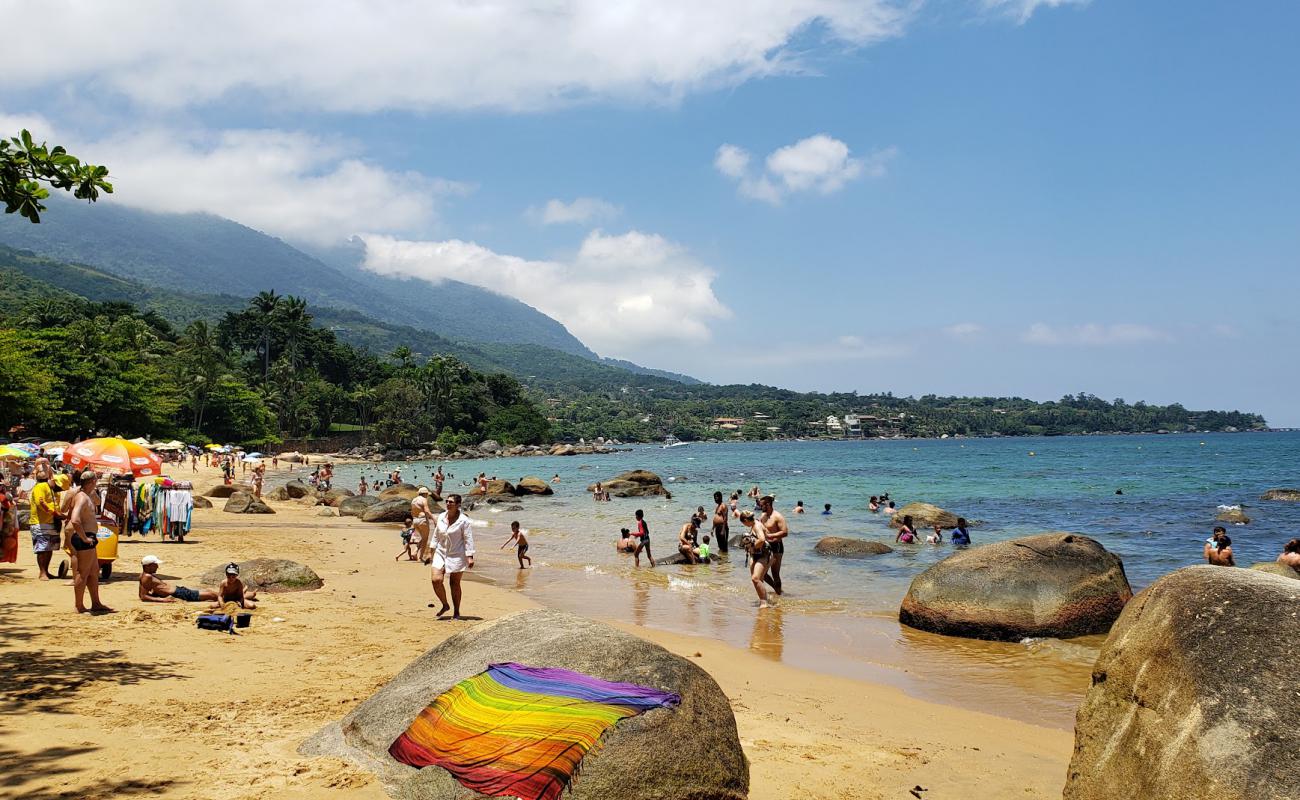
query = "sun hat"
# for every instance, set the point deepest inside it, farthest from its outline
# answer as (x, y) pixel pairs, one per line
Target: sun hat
(63, 480)
(147, 560)
(423, 490)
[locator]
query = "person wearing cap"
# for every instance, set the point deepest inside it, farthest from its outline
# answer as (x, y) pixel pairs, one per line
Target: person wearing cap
(156, 590)
(421, 520)
(44, 516)
(777, 529)
(232, 589)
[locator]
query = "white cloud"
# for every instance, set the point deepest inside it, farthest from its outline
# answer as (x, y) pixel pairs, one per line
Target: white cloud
(370, 55)
(819, 163)
(295, 185)
(582, 209)
(964, 330)
(619, 294)
(1093, 334)
(837, 350)
(1022, 10)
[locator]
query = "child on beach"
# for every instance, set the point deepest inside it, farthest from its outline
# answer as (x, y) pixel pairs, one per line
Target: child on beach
(232, 590)
(408, 533)
(518, 534)
(703, 550)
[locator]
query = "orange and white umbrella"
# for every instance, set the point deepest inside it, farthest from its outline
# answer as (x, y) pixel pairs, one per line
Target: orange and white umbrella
(114, 454)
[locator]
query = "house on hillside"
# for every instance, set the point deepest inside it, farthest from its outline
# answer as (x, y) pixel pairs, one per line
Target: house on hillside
(727, 423)
(833, 426)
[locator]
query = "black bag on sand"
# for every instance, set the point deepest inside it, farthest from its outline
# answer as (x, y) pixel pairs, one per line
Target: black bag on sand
(216, 622)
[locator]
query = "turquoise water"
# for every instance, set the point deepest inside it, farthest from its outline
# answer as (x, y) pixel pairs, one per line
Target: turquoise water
(839, 616)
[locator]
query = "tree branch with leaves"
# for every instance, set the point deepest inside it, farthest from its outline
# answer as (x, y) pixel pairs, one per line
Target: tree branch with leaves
(26, 167)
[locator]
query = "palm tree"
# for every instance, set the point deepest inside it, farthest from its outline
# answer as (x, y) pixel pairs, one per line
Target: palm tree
(199, 349)
(265, 303)
(403, 354)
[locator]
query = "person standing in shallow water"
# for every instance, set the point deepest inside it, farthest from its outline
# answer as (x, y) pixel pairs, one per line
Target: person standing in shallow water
(774, 524)
(721, 530)
(643, 539)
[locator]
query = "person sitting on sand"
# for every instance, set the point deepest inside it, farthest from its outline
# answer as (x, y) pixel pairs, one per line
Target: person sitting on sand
(408, 534)
(798, 508)
(1291, 554)
(873, 505)
(906, 533)
(1221, 556)
(937, 536)
(520, 536)
(826, 510)
(960, 536)
(232, 590)
(686, 539)
(156, 590)
(626, 542)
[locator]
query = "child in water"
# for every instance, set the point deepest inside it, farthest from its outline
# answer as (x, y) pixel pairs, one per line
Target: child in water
(625, 543)
(826, 511)
(937, 536)
(519, 535)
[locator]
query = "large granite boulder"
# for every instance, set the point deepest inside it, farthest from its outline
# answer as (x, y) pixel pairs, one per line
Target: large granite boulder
(637, 483)
(391, 511)
(278, 494)
(293, 457)
(533, 485)
(850, 548)
(1193, 696)
(924, 515)
(490, 446)
(1053, 584)
(355, 506)
(202, 502)
(268, 575)
(296, 489)
(642, 758)
(332, 497)
(400, 491)
(246, 503)
(222, 490)
(1232, 516)
(1285, 495)
(495, 488)
(564, 450)
(1274, 568)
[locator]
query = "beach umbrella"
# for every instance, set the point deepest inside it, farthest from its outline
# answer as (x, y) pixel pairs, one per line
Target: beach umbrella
(55, 445)
(212, 446)
(112, 453)
(12, 452)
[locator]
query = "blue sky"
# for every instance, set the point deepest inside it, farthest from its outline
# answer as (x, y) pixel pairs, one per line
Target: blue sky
(966, 197)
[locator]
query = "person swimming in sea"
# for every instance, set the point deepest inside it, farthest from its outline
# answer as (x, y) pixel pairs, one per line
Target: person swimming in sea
(798, 508)
(937, 536)
(873, 505)
(626, 543)
(906, 533)
(960, 536)
(890, 510)
(826, 510)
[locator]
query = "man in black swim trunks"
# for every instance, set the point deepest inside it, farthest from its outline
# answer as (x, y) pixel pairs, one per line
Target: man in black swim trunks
(156, 590)
(777, 530)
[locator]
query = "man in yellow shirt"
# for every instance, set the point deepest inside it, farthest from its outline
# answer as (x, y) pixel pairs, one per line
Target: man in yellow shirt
(45, 514)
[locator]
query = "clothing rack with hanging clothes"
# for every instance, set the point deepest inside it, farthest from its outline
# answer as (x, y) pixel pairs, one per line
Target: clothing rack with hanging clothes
(177, 505)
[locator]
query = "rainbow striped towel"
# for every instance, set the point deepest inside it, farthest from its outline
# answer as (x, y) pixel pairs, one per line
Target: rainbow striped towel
(521, 731)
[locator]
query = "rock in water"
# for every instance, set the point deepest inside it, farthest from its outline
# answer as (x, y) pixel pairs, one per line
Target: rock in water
(268, 575)
(1286, 495)
(533, 485)
(1274, 568)
(1193, 696)
(850, 548)
(245, 503)
(1233, 516)
(355, 506)
(642, 758)
(401, 491)
(1052, 584)
(637, 483)
(924, 515)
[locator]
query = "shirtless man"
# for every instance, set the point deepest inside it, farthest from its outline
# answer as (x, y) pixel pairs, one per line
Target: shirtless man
(421, 518)
(1291, 554)
(232, 589)
(156, 590)
(774, 523)
(1221, 554)
(83, 529)
(721, 530)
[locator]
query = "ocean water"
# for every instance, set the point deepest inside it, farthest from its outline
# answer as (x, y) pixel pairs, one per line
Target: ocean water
(839, 616)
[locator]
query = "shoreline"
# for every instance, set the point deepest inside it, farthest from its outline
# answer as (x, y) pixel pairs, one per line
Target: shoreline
(164, 702)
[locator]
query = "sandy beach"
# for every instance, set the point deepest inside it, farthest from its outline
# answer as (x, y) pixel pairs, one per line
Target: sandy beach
(140, 703)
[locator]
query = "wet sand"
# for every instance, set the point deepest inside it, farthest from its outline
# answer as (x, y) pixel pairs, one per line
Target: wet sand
(140, 703)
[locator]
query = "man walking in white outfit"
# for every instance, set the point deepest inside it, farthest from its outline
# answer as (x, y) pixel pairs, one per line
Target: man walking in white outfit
(453, 553)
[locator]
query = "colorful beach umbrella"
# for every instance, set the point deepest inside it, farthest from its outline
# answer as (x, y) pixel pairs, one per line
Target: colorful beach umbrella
(31, 449)
(11, 452)
(114, 454)
(55, 445)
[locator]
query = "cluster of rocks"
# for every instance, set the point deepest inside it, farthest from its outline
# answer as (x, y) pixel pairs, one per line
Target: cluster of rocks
(636, 483)
(489, 448)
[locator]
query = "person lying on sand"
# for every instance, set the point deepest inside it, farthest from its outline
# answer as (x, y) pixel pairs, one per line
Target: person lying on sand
(232, 590)
(156, 590)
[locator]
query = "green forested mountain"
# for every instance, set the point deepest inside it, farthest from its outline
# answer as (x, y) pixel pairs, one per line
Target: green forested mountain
(206, 254)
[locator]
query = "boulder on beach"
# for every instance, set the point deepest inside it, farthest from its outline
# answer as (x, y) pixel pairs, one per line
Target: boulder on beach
(1232, 516)
(297, 489)
(490, 446)
(355, 506)
(327, 511)
(202, 502)
(246, 503)
(278, 494)
(391, 511)
(641, 758)
(222, 490)
(850, 548)
(533, 485)
(1193, 693)
(1050, 585)
(400, 491)
(332, 497)
(293, 457)
(268, 575)
(1285, 495)
(637, 483)
(924, 515)
(1275, 568)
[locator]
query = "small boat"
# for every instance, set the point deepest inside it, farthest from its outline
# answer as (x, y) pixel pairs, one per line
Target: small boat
(673, 441)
